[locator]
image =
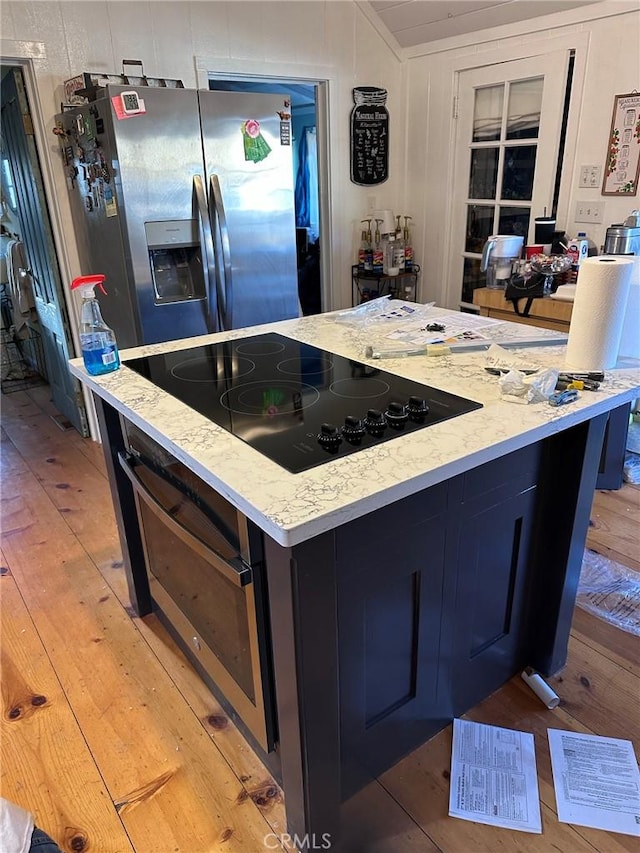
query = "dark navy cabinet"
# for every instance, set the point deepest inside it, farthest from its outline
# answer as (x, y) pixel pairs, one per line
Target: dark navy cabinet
(489, 610)
(390, 576)
(432, 609)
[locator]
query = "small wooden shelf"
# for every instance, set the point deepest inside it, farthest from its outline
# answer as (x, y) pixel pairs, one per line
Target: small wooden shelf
(367, 285)
(546, 312)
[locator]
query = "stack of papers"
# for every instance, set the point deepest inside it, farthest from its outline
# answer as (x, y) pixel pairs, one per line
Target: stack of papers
(494, 781)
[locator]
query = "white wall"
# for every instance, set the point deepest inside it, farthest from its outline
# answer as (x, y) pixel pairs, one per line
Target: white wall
(334, 40)
(306, 39)
(607, 63)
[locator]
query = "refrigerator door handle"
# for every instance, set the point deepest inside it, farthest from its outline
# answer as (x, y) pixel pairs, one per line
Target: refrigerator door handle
(208, 256)
(225, 297)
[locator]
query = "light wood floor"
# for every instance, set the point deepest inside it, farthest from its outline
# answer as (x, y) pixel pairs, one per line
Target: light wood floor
(110, 739)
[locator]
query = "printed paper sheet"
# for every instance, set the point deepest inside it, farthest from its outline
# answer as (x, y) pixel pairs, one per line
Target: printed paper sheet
(596, 781)
(493, 777)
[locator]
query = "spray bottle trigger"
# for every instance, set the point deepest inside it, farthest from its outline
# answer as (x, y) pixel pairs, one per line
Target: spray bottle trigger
(89, 281)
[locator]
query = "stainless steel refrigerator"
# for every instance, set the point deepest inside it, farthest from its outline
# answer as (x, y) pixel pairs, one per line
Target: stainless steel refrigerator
(184, 199)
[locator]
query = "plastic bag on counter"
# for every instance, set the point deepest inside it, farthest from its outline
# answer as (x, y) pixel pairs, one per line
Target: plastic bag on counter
(611, 591)
(517, 387)
(383, 310)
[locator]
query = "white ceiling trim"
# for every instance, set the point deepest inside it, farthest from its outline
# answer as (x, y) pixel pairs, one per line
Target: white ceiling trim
(381, 28)
(568, 18)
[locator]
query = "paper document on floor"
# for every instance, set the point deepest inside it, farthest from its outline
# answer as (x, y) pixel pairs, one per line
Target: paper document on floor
(493, 777)
(596, 781)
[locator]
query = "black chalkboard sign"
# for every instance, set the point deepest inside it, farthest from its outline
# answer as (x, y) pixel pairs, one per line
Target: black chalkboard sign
(369, 136)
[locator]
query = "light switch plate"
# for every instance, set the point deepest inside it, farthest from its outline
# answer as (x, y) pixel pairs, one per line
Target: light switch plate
(590, 176)
(589, 211)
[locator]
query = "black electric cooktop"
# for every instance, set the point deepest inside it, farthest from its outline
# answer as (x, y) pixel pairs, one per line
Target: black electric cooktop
(299, 405)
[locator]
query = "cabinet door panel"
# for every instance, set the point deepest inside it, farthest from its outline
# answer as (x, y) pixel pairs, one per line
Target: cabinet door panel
(389, 628)
(490, 606)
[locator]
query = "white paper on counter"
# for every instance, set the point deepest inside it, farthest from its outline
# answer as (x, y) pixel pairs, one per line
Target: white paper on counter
(596, 781)
(493, 777)
(458, 328)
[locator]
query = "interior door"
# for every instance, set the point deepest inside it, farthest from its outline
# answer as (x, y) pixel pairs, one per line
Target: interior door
(36, 235)
(506, 154)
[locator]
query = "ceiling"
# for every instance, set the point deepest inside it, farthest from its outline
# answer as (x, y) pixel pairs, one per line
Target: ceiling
(415, 22)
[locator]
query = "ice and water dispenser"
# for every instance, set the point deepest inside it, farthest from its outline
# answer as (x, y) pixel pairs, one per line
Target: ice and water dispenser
(176, 260)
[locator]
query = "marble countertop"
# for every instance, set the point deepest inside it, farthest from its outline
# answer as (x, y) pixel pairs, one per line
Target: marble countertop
(292, 508)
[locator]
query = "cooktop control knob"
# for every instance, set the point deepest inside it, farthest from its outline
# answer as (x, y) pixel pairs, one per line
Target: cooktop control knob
(329, 437)
(354, 429)
(375, 422)
(396, 415)
(418, 408)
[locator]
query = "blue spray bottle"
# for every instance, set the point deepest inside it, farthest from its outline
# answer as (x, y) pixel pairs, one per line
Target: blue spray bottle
(97, 341)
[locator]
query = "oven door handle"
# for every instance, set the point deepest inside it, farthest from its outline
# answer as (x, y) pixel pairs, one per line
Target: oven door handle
(233, 569)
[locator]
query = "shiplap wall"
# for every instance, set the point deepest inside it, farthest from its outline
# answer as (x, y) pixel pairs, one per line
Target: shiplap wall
(607, 63)
(332, 40)
(322, 40)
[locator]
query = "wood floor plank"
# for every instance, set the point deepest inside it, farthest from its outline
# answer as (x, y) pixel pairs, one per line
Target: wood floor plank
(615, 525)
(77, 488)
(627, 496)
(420, 784)
(518, 708)
(375, 823)
(95, 529)
(173, 788)
(256, 780)
(620, 646)
(47, 767)
(599, 693)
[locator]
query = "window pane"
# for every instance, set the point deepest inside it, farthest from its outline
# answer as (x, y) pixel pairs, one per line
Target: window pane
(517, 172)
(487, 113)
(514, 220)
(479, 226)
(472, 278)
(484, 173)
(523, 115)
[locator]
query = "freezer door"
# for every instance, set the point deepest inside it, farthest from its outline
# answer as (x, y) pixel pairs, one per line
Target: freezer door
(248, 160)
(158, 177)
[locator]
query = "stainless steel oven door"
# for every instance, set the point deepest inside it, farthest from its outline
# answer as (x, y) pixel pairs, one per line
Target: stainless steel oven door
(203, 586)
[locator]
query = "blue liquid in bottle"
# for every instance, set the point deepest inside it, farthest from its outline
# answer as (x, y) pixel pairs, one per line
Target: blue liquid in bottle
(100, 354)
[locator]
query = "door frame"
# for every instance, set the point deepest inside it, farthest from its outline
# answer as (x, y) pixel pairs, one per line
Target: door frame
(31, 57)
(576, 41)
(547, 139)
(320, 77)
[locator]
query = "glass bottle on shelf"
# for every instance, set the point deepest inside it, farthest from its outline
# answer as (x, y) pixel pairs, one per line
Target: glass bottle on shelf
(378, 254)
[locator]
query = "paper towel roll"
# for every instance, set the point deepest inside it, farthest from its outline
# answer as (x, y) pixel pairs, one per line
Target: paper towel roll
(598, 312)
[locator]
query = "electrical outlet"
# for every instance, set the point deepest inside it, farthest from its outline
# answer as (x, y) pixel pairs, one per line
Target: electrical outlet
(590, 176)
(589, 211)
(371, 203)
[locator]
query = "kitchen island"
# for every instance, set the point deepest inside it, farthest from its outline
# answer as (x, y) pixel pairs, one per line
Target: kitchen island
(406, 581)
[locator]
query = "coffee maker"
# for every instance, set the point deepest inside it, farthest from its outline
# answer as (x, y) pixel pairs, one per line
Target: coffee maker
(498, 255)
(624, 239)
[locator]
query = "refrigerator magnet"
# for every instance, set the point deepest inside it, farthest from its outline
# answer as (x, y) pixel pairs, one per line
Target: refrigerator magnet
(256, 147)
(128, 104)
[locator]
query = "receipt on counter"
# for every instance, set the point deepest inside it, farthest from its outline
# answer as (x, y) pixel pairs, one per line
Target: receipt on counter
(493, 777)
(596, 781)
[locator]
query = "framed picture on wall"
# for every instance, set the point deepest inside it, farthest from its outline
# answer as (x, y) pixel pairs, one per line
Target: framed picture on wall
(622, 167)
